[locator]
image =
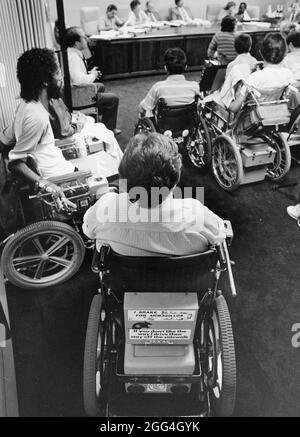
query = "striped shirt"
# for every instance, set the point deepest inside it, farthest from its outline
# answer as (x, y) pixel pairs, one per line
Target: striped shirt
(176, 227)
(176, 90)
(223, 43)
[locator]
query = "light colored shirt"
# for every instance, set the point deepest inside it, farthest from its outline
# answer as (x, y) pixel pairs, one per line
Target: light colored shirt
(272, 76)
(181, 227)
(243, 58)
(185, 16)
(78, 71)
(110, 23)
(31, 133)
(176, 90)
(132, 19)
(292, 62)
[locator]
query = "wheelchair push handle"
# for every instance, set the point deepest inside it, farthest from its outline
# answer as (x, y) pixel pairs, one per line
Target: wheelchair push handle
(229, 270)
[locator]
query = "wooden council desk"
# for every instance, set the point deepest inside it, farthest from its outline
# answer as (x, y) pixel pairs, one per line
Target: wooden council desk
(143, 54)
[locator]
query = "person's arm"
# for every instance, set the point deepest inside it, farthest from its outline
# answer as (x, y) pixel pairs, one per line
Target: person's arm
(78, 77)
(149, 102)
(240, 97)
(173, 16)
(119, 21)
(213, 227)
(102, 24)
(212, 46)
(144, 17)
(131, 20)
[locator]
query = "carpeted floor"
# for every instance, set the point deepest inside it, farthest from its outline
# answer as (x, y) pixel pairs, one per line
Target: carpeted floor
(49, 326)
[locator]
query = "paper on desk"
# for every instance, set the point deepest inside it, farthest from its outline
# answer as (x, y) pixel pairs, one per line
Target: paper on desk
(263, 24)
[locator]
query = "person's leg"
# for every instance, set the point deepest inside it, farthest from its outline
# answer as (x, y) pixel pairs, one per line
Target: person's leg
(108, 107)
(100, 87)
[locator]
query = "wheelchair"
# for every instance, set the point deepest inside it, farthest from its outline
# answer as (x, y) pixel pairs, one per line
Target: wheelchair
(160, 327)
(184, 124)
(250, 145)
(48, 246)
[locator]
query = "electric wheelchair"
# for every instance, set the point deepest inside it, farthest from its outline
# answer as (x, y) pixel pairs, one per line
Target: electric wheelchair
(47, 246)
(251, 144)
(184, 124)
(160, 328)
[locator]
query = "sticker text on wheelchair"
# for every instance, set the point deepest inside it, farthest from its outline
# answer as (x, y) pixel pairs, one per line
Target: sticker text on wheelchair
(296, 336)
(161, 316)
(161, 335)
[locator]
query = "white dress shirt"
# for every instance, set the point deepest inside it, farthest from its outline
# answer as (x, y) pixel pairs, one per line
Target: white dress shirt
(78, 71)
(176, 227)
(132, 19)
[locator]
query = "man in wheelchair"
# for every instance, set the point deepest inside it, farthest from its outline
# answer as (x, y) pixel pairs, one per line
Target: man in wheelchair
(175, 90)
(154, 328)
(31, 133)
(146, 219)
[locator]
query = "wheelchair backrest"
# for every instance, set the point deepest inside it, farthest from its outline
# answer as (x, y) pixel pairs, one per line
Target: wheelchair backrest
(176, 118)
(156, 274)
(212, 78)
(268, 95)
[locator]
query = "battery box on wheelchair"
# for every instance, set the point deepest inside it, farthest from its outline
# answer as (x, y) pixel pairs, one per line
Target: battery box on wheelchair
(159, 336)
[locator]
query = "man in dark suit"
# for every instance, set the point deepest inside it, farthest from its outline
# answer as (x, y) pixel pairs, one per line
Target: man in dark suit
(151, 13)
(180, 12)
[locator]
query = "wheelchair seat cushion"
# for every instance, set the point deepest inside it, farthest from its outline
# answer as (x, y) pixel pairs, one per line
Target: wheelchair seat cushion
(158, 274)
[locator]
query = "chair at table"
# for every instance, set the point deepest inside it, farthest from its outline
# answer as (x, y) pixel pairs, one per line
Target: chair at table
(85, 99)
(89, 19)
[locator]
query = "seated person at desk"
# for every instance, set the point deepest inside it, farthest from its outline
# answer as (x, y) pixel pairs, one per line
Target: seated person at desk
(176, 90)
(180, 12)
(242, 14)
(292, 59)
(151, 13)
(31, 132)
(222, 44)
(110, 21)
(152, 223)
(136, 16)
(108, 103)
(229, 9)
(274, 75)
(242, 44)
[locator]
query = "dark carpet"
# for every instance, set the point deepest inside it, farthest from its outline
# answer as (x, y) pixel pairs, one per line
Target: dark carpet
(49, 326)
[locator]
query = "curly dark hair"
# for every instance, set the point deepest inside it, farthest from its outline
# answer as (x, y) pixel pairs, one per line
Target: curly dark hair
(175, 60)
(151, 161)
(35, 68)
(273, 48)
(228, 24)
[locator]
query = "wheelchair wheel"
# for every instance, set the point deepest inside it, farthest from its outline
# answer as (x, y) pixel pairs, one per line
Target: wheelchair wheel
(42, 254)
(282, 162)
(227, 165)
(220, 365)
(95, 368)
(200, 150)
(144, 126)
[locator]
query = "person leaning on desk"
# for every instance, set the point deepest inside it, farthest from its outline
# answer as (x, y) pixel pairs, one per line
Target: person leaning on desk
(110, 21)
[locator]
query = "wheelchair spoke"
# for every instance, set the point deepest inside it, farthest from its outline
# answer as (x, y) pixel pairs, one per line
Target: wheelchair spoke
(58, 245)
(38, 245)
(40, 270)
(23, 260)
(60, 261)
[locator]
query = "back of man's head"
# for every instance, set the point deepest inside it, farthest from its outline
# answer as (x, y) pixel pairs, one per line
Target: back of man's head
(294, 39)
(151, 161)
(175, 61)
(243, 43)
(73, 35)
(35, 71)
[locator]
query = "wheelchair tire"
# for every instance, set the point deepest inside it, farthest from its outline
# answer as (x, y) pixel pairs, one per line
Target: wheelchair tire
(224, 153)
(28, 259)
(221, 363)
(144, 126)
(282, 162)
(95, 367)
(200, 156)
